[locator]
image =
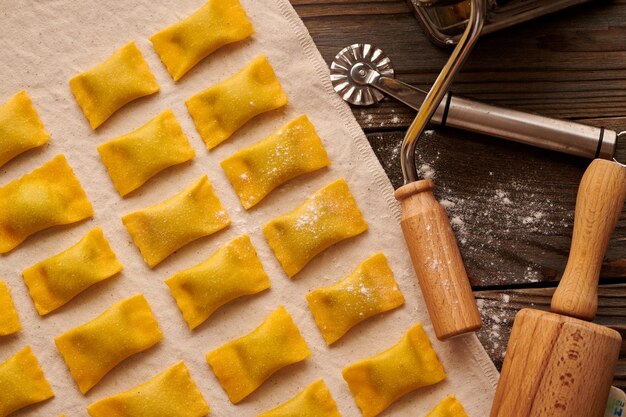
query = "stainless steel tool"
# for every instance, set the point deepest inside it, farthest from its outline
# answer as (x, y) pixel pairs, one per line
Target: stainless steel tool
(362, 74)
(445, 20)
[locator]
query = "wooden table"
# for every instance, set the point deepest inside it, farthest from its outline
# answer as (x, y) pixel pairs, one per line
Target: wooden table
(511, 205)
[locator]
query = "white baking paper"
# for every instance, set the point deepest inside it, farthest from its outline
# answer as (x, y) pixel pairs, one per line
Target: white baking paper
(43, 44)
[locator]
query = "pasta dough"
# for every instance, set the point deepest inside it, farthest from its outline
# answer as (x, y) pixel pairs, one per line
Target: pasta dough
(55, 281)
(369, 290)
(220, 110)
(171, 393)
(449, 407)
(94, 348)
(160, 230)
(314, 401)
(21, 128)
(184, 44)
(110, 85)
(9, 320)
(324, 219)
(293, 150)
(233, 271)
(134, 158)
(379, 381)
(49, 196)
(243, 364)
(22, 382)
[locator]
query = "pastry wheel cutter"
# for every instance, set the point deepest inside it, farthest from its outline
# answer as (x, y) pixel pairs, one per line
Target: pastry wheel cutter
(362, 74)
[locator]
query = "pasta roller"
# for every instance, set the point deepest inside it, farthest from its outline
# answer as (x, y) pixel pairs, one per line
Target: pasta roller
(444, 20)
(362, 75)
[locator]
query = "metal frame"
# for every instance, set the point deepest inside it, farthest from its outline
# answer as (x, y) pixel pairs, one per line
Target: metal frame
(499, 17)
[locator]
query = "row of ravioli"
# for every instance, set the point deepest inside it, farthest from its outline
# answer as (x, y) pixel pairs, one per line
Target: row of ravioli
(52, 195)
(327, 217)
(241, 366)
(132, 159)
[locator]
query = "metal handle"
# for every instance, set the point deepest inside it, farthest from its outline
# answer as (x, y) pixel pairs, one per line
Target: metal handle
(531, 129)
(401, 91)
(440, 88)
(527, 128)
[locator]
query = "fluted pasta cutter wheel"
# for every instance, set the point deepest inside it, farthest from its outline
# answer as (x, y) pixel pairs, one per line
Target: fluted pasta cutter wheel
(351, 65)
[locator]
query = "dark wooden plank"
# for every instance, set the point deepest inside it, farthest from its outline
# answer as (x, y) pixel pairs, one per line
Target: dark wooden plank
(511, 205)
(316, 9)
(498, 309)
(568, 65)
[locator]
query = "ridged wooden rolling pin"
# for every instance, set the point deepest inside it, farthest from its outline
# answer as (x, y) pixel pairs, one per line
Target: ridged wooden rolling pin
(557, 364)
(437, 261)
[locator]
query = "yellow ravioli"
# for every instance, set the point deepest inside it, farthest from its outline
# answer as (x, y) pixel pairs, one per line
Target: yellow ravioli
(134, 158)
(314, 401)
(184, 44)
(162, 229)
(220, 110)
(293, 150)
(55, 281)
(369, 290)
(379, 381)
(94, 348)
(324, 219)
(449, 407)
(233, 271)
(9, 320)
(22, 382)
(172, 393)
(49, 196)
(21, 128)
(243, 364)
(110, 85)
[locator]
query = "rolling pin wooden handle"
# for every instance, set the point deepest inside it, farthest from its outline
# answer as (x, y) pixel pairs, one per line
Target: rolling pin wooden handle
(598, 207)
(437, 261)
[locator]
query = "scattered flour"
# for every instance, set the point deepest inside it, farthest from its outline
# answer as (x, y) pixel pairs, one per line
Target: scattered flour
(447, 204)
(458, 224)
(363, 290)
(498, 226)
(426, 171)
(497, 319)
(502, 196)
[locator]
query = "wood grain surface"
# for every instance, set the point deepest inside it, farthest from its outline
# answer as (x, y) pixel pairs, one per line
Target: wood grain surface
(511, 205)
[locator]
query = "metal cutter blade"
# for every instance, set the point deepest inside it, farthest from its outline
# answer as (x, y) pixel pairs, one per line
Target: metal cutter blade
(352, 88)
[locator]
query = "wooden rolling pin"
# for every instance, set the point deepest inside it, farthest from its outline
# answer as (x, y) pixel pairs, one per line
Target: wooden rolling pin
(557, 365)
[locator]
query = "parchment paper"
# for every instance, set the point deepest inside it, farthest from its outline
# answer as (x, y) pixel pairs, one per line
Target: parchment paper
(43, 44)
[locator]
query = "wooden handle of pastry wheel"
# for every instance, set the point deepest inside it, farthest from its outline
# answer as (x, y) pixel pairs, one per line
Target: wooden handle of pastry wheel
(598, 207)
(437, 261)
